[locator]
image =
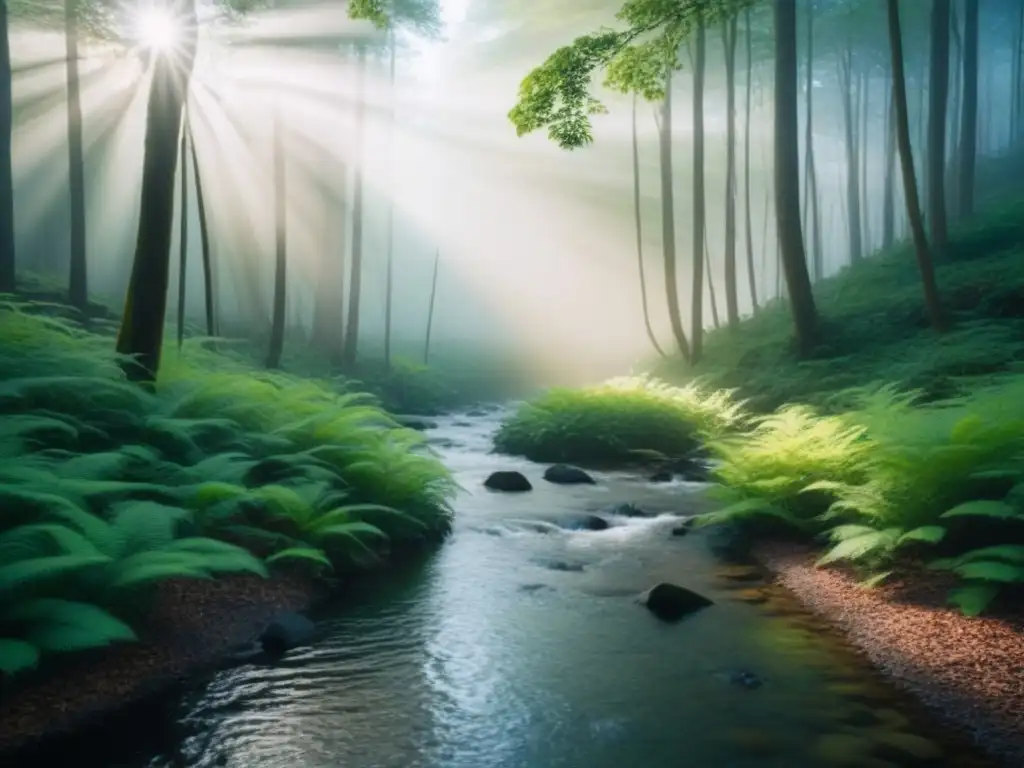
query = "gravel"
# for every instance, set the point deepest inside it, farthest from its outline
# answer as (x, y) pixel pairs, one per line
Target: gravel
(968, 671)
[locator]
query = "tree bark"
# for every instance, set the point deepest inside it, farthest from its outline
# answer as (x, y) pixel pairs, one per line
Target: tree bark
(811, 207)
(390, 224)
(204, 237)
(638, 221)
(787, 178)
(183, 231)
(864, 146)
(140, 339)
(846, 79)
(732, 310)
(969, 120)
(430, 309)
(7, 245)
(938, 92)
(712, 296)
(78, 285)
(668, 223)
(350, 350)
(889, 191)
(278, 321)
(751, 274)
(697, 248)
(924, 261)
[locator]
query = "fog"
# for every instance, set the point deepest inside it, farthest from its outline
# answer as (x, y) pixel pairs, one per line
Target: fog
(536, 245)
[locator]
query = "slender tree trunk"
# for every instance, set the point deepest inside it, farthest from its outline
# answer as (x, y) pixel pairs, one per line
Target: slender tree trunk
(787, 178)
(712, 297)
(924, 261)
(204, 237)
(751, 275)
(811, 206)
(78, 285)
(140, 340)
(390, 225)
(889, 191)
(668, 224)
(954, 111)
(764, 241)
(732, 309)
(1017, 94)
(183, 230)
(640, 238)
(846, 80)
(969, 121)
(938, 91)
(864, 147)
(697, 248)
(349, 354)
(7, 259)
(280, 246)
(430, 309)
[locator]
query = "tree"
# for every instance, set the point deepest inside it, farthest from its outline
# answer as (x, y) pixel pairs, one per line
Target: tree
(938, 93)
(811, 209)
(699, 223)
(277, 323)
(78, 286)
(751, 273)
(556, 96)
(787, 178)
(729, 30)
(390, 225)
(851, 103)
(638, 221)
(924, 261)
(7, 244)
(969, 120)
(350, 347)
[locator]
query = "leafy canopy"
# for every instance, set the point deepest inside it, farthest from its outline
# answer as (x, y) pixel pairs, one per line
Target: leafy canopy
(557, 94)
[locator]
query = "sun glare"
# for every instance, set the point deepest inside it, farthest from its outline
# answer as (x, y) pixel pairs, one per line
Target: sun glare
(156, 28)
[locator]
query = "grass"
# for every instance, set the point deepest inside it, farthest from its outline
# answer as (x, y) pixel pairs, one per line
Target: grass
(620, 421)
(891, 443)
(106, 489)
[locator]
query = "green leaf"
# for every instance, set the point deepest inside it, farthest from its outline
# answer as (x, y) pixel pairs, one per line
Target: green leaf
(929, 534)
(17, 656)
(982, 508)
(40, 571)
(308, 554)
(991, 570)
(1013, 553)
(973, 599)
(873, 581)
(64, 625)
(859, 547)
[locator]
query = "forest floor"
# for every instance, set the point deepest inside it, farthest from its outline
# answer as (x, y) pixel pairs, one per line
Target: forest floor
(968, 671)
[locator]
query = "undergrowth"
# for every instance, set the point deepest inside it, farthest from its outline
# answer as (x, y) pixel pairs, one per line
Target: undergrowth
(106, 489)
(622, 420)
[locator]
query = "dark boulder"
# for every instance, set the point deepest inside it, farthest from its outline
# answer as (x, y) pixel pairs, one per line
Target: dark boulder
(287, 631)
(415, 422)
(661, 476)
(629, 510)
(670, 602)
(563, 474)
(441, 442)
(593, 523)
(680, 530)
(508, 480)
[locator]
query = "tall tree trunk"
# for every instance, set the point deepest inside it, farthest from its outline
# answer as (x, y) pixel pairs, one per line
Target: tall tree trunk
(938, 91)
(140, 339)
(954, 111)
(712, 296)
(204, 237)
(732, 309)
(329, 296)
(846, 80)
(7, 259)
(787, 178)
(183, 231)
(864, 146)
(969, 120)
(668, 222)
(390, 224)
(1016, 80)
(764, 241)
(751, 274)
(811, 206)
(637, 218)
(350, 351)
(280, 246)
(78, 285)
(924, 261)
(889, 190)
(430, 309)
(697, 249)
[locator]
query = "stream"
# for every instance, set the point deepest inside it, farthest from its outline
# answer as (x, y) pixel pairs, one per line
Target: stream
(520, 644)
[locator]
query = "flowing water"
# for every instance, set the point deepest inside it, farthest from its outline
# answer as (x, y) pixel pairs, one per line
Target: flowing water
(520, 645)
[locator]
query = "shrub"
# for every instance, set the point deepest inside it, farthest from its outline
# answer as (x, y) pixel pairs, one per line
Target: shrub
(621, 420)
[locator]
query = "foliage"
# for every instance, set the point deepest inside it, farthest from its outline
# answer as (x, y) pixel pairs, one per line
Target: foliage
(557, 94)
(621, 420)
(106, 488)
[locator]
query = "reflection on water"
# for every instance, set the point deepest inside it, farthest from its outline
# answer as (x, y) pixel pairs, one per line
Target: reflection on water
(520, 646)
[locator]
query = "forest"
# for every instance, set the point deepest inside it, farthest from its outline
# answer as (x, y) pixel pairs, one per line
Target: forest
(296, 296)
